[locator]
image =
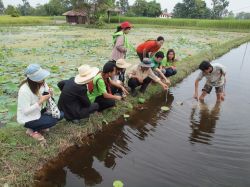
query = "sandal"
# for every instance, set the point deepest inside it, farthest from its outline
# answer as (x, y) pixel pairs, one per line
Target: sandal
(36, 135)
(29, 132)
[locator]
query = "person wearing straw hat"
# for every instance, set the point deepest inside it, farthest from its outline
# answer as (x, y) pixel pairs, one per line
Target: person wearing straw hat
(73, 100)
(33, 93)
(120, 41)
(102, 83)
(121, 66)
(142, 75)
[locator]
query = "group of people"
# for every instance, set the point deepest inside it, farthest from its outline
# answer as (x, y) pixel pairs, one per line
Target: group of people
(92, 90)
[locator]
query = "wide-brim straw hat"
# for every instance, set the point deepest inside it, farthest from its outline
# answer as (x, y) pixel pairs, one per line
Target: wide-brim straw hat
(85, 74)
(121, 63)
(146, 62)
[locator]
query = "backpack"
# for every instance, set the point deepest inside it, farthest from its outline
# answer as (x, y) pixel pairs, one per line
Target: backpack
(91, 86)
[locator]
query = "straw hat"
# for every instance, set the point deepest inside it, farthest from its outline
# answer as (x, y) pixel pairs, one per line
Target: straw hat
(121, 63)
(35, 73)
(146, 62)
(86, 73)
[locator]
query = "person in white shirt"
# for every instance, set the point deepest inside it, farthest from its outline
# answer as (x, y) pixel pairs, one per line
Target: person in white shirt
(215, 75)
(33, 93)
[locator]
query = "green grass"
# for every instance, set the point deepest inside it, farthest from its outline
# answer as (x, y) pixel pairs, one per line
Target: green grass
(199, 23)
(60, 49)
(29, 20)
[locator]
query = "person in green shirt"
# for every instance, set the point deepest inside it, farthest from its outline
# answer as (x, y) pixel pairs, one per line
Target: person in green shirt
(156, 63)
(168, 65)
(102, 84)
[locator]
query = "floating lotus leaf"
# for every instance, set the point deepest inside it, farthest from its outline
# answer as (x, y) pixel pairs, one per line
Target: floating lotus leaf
(164, 108)
(117, 183)
(141, 100)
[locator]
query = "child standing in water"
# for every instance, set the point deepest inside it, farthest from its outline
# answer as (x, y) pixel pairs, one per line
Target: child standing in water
(215, 75)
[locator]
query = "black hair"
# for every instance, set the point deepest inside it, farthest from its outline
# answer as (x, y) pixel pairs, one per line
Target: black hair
(170, 51)
(118, 29)
(34, 86)
(160, 38)
(204, 65)
(159, 54)
(108, 67)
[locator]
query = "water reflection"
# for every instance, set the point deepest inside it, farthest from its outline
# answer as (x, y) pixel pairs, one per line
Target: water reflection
(203, 122)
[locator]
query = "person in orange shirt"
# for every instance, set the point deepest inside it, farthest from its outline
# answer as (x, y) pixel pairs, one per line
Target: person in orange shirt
(149, 48)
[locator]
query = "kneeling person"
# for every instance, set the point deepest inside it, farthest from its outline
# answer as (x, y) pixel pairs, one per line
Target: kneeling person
(142, 75)
(102, 83)
(73, 100)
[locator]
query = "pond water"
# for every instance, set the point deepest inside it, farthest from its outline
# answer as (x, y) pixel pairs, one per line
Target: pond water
(193, 144)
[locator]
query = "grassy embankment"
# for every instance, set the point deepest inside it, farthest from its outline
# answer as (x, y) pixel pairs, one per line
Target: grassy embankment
(20, 156)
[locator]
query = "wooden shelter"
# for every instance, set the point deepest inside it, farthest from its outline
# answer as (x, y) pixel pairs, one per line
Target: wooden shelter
(76, 16)
(114, 10)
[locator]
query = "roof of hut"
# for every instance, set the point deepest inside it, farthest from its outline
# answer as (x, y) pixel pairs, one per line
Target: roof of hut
(75, 13)
(114, 10)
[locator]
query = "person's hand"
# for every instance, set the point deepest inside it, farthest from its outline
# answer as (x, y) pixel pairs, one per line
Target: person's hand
(173, 67)
(124, 90)
(43, 98)
(140, 79)
(195, 96)
(167, 81)
(117, 97)
(164, 86)
(51, 92)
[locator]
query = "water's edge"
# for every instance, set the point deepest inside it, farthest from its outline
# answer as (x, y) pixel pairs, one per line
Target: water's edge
(184, 71)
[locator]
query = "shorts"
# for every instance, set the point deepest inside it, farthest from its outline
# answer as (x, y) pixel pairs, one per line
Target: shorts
(207, 88)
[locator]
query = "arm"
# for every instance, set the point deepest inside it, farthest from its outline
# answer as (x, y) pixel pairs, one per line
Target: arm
(61, 84)
(196, 86)
(110, 96)
(162, 75)
(117, 85)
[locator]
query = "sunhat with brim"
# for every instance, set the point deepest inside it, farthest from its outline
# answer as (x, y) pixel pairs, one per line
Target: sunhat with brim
(125, 24)
(121, 63)
(85, 74)
(146, 62)
(35, 73)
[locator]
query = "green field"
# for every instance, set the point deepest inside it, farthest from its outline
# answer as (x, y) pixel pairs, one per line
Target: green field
(199, 23)
(61, 49)
(29, 20)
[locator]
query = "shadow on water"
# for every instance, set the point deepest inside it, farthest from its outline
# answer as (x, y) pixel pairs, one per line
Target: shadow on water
(106, 147)
(193, 144)
(203, 126)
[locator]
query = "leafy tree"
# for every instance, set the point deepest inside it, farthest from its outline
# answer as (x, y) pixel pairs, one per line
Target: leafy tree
(219, 8)
(191, 9)
(144, 8)
(243, 15)
(10, 10)
(124, 5)
(1, 7)
(25, 9)
(56, 7)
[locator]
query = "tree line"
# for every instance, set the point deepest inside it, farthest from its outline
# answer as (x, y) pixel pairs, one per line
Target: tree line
(96, 8)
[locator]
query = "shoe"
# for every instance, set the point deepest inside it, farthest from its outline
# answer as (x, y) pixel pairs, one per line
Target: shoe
(134, 93)
(75, 121)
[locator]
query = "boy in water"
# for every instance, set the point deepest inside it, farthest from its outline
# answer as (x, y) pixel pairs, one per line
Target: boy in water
(215, 75)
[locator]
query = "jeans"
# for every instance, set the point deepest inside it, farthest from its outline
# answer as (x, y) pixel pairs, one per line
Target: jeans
(104, 102)
(44, 122)
(133, 83)
(168, 72)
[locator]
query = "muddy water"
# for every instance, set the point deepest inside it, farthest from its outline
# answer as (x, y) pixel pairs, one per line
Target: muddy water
(194, 144)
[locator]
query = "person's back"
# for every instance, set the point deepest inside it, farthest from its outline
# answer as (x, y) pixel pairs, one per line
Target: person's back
(73, 99)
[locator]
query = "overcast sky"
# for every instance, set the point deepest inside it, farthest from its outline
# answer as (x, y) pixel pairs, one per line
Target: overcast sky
(235, 5)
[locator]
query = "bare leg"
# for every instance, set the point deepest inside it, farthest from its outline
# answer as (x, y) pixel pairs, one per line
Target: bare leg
(202, 96)
(220, 97)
